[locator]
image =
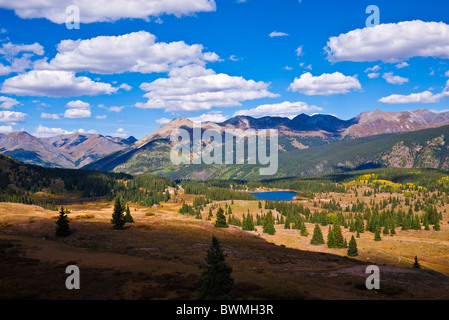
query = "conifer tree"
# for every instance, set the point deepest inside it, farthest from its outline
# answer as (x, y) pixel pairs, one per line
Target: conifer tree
(118, 219)
(352, 249)
(128, 216)
(317, 238)
(62, 224)
(377, 235)
(436, 226)
(268, 224)
(339, 242)
(221, 219)
(304, 231)
(416, 264)
(215, 280)
(330, 238)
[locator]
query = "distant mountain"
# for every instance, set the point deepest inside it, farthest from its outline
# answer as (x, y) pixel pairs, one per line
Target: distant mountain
(66, 151)
(298, 137)
(304, 138)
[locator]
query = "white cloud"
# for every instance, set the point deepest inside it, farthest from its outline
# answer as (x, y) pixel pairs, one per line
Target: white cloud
(391, 42)
(133, 52)
(45, 132)
(52, 116)
(277, 34)
(6, 129)
(373, 75)
(209, 117)
(105, 10)
(287, 68)
(125, 86)
(299, 51)
(11, 52)
(422, 97)
(284, 109)
(402, 65)
(446, 74)
(54, 84)
(115, 109)
(163, 121)
(373, 69)
(77, 109)
(101, 117)
(195, 88)
(391, 78)
(12, 117)
(325, 84)
(8, 103)
(121, 133)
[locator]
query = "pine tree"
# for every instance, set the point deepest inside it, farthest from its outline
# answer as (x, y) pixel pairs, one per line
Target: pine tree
(304, 231)
(268, 224)
(330, 238)
(377, 235)
(338, 237)
(221, 219)
(118, 219)
(436, 226)
(128, 216)
(317, 238)
(352, 250)
(416, 264)
(62, 224)
(215, 279)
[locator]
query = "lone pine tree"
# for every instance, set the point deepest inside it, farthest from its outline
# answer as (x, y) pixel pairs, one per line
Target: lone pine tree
(221, 219)
(215, 279)
(317, 238)
(118, 219)
(352, 250)
(62, 224)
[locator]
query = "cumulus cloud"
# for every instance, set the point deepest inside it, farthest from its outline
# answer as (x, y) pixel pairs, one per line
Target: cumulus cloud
(163, 121)
(402, 65)
(18, 56)
(194, 88)
(133, 52)
(51, 116)
(77, 109)
(421, 97)
(6, 129)
(106, 10)
(12, 117)
(8, 103)
(121, 133)
(209, 117)
(54, 84)
(325, 84)
(285, 109)
(391, 42)
(101, 117)
(45, 132)
(277, 34)
(373, 75)
(391, 78)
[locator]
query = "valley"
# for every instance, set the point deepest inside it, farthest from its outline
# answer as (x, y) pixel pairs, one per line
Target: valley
(158, 255)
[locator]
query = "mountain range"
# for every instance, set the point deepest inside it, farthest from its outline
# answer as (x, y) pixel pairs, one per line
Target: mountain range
(307, 145)
(65, 151)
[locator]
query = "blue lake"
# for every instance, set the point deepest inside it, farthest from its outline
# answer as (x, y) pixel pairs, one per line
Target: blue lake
(273, 195)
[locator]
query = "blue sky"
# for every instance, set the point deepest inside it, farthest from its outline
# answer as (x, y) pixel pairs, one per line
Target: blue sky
(129, 69)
